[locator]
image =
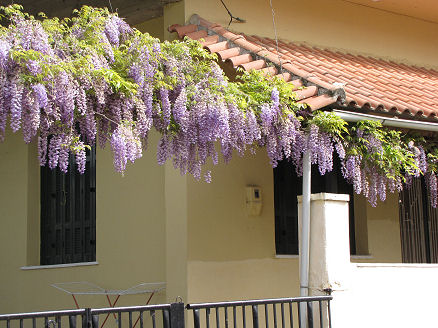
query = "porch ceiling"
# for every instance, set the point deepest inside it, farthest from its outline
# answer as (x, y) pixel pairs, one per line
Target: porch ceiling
(324, 77)
(135, 11)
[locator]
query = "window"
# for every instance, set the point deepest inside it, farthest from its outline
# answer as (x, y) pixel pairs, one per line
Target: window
(287, 186)
(68, 213)
(418, 224)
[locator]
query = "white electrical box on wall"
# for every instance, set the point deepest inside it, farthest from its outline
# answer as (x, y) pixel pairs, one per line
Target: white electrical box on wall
(253, 200)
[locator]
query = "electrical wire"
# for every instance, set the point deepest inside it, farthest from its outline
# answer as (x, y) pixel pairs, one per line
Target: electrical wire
(111, 6)
(275, 34)
(237, 19)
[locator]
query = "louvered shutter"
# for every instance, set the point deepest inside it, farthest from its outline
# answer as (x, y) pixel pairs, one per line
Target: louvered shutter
(286, 187)
(68, 213)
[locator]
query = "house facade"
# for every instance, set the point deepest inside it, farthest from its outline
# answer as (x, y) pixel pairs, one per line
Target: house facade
(153, 225)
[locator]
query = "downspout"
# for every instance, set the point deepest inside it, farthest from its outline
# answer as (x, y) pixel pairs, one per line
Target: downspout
(305, 233)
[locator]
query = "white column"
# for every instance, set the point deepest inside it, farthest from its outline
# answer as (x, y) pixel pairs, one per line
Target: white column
(329, 260)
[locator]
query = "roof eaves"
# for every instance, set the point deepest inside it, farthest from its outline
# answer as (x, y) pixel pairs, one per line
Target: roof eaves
(323, 78)
(237, 51)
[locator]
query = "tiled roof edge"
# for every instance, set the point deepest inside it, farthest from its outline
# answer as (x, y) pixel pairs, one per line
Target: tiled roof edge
(323, 77)
(336, 92)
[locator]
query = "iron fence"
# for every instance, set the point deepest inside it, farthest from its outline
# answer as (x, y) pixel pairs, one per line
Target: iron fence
(50, 319)
(275, 313)
(298, 312)
(148, 316)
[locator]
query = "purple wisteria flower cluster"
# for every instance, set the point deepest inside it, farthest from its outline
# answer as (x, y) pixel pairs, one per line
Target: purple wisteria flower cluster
(372, 176)
(94, 80)
(367, 179)
(104, 82)
(47, 92)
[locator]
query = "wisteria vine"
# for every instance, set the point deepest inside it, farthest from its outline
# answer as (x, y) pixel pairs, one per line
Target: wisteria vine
(92, 79)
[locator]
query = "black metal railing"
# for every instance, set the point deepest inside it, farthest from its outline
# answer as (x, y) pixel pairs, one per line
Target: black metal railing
(148, 316)
(309, 312)
(50, 319)
(275, 313)
(135, 316)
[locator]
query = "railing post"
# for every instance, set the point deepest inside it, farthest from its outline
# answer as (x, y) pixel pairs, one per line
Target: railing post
(166, 320)
(71, 321)
(177, 315)
(86, 318)
(255, 316)
(95, 321)
(196, 321)
(310, 314)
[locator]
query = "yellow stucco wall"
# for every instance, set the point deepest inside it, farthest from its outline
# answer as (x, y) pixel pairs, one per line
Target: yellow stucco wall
(330, 23)
(231, 255)
(219, 227)
(153, 26)
(173, 14)
(130, 229)
(384, 231)
(244, 279)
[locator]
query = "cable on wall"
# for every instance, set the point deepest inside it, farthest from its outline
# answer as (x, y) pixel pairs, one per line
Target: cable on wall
(275, 34)
(237, 19)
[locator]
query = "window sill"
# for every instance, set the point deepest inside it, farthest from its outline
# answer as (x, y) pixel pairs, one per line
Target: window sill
(397, 265)
(353, 257)
(56, 266)
(361, 257)
(285, 256)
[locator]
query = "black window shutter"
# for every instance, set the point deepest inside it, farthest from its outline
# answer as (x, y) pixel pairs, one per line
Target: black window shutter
(286, 188)
(89, 208)
(68, 213)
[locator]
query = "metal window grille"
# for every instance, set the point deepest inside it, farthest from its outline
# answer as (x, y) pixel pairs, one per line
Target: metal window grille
(418, 224)
(68, 213)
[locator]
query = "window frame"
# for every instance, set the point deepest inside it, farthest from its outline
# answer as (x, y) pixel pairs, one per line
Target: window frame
(287, 186)
(68, 213)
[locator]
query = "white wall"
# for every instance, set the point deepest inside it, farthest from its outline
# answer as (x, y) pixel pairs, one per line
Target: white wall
(365, 294)
(390, 295)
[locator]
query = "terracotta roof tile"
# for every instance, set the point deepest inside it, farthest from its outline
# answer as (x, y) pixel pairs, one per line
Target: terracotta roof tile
(323, 77)
(208, 40)
(229, 53)
(216, 47)
(319, 101)
(183, 30)
(307, 92)
(256, 64)
(197, 34)
(270, 71)
(239, 60)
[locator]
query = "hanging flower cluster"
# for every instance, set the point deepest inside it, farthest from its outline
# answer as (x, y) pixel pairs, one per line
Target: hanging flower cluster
(73, 83)
(374, 159)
